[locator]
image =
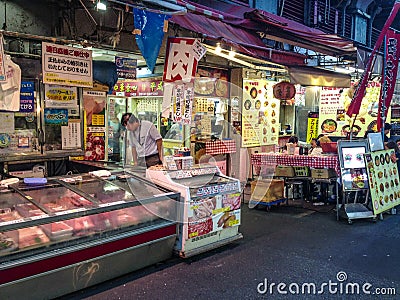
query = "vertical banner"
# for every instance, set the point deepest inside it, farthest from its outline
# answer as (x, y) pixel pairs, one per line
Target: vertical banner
(179, 101)
(312, 126)
(389, 74)
(94, 104)
(355, 104)
(181, 60)
(2, 67)
(188, 98)
(27, 97)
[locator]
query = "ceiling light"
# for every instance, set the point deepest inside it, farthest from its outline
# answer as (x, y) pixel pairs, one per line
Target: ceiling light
(218, 49)
(101, 5)
(232, 53)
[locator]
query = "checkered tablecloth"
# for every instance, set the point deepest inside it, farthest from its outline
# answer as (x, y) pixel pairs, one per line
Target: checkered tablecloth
(220, 147)
(313, 161)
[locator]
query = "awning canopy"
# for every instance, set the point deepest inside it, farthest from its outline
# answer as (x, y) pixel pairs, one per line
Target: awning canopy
(311, 76)
(242, 40)
(280, 29)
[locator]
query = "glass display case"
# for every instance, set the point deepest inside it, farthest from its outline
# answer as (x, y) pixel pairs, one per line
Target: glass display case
(52, 234)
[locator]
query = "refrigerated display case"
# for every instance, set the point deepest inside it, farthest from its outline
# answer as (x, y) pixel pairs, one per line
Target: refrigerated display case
(77, 231)
(210, 213)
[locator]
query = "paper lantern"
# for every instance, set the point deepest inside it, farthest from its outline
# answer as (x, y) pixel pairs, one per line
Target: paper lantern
(284, 90)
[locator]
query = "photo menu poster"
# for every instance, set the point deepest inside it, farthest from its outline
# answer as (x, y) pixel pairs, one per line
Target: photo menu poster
(383, 177)
(334, 103)
(260, 114)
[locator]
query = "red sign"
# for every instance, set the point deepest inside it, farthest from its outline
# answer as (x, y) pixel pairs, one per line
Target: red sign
(181, 60)
(390, 73)
(138, 88)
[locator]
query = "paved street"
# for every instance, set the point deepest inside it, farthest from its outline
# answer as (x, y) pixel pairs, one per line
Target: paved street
(285, 245)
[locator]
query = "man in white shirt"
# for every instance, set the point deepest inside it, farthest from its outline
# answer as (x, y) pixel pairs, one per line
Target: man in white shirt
(144, 139)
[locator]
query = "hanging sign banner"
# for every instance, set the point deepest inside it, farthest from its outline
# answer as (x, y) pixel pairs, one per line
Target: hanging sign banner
(181, 60)
(126, 67)
(312, 126)
(188, 100)
(67, 65)
(2, 68)
(390, 73)
(179, 101)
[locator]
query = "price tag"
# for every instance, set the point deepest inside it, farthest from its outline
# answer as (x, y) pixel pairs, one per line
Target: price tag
(65, 212)
(111, 203)
(12, 222)
(39, 217)
(194, 207)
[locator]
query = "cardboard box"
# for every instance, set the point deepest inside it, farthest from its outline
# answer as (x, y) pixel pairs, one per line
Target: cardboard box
(302, 171)
(323, 173)
(284, 171)
(267, 190)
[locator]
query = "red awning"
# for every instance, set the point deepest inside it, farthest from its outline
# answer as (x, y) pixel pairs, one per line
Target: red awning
(280, 29)
(243, 40)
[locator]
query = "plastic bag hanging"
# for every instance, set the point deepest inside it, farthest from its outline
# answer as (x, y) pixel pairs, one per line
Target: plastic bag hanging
(149, 32)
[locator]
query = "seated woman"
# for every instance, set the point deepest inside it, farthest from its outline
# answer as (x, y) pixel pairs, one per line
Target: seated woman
(293, 140)
(315, 147)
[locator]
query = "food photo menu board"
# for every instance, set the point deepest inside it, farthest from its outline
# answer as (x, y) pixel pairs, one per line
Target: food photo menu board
(352, 164)
(334, 103)
(383, 180)
(260, 114)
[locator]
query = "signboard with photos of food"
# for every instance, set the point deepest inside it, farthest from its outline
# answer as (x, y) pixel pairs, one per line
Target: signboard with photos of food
(334, 102)
(383, 180)
(260, 114)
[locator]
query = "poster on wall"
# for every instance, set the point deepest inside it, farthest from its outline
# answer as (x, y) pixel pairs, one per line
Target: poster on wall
(383, 177)
(27, 97)
(56, 116)
(71, 135)
(334, 103)
(312, 126)
(66, 65)
(60, 96)
(126, 67)
(260, 114)
(94, 104)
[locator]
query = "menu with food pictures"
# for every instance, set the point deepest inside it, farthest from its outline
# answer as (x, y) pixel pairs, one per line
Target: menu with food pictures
(260, 114)
(334, 103)
(383, 180)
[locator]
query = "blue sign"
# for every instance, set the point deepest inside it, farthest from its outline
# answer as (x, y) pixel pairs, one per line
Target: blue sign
(126, 67)
(55, 116)
(27, 98)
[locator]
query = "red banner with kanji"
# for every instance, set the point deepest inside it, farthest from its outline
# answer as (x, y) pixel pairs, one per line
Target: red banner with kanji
(355, 104)
(181, 59)
(389, 74)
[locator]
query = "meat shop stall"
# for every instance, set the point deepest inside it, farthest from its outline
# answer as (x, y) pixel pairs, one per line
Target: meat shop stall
(59, 235)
